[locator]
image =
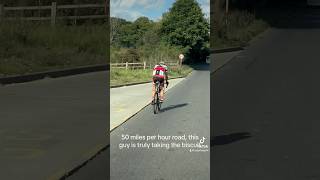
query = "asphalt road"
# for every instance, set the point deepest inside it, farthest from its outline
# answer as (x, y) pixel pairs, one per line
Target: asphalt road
(266, 120)
(185, 111)
(50, 126)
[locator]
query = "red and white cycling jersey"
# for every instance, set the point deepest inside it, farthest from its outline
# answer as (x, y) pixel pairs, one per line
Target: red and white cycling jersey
(159, 71)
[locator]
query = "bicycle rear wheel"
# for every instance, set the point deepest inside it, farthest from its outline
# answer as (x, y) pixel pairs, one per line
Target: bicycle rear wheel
(156, 99)
(155, 104)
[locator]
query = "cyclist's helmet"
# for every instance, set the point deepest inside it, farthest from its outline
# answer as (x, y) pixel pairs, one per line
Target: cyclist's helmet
(161, 63)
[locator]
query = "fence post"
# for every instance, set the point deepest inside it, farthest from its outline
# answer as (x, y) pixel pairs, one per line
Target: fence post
(127, 65)
(227, 11)
(1, 12)
(53, 13)
(144, 65)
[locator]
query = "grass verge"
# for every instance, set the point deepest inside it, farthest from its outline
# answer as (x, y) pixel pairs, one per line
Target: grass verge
(240, 28)
(33, 47)
(122, 77)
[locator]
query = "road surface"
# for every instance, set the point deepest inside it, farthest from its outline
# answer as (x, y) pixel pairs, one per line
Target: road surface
(266, 120)
(50, 126)
(185, 111)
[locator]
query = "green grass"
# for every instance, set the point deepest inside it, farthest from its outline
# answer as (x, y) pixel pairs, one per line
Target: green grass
(241, 28)
(122, 76)
(29, 47)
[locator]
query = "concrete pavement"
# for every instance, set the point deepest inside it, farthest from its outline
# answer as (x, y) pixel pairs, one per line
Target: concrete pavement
(128, 100)
(220, 59)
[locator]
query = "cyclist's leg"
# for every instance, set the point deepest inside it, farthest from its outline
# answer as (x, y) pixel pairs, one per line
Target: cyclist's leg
(153, 88)
(162, 91)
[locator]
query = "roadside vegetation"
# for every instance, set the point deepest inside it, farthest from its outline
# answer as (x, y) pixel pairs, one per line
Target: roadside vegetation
(238, 27)
(183, 29)
(28, 47)
(123, 77)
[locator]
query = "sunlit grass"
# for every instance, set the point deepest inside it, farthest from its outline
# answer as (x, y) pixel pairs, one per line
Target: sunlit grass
(122, 76)
(241, 28)
(29, 47)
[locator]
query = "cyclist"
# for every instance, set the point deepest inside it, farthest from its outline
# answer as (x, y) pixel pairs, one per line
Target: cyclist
(160, 73)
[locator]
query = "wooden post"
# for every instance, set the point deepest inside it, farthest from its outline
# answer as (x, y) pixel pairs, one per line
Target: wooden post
(227, 11)
(1, 12)
(39, 11)
(144, 65)
(227, 6)
(127, 65)
(53, 13)
(75, 14)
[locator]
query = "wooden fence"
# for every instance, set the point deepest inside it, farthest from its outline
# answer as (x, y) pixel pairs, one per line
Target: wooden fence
(142, 65)
(53, 8)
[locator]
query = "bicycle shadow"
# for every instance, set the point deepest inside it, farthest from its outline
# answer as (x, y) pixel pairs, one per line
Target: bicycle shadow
(230, 138)
(173, 107)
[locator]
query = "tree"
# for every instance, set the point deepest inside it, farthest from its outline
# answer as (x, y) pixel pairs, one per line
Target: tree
(115, 25)
(131, 34)
(142, 25)
(185, 25)
(151, 37)
(127, 35)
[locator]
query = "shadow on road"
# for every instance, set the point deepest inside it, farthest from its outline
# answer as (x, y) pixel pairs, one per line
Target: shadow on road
(230, 138)
(173, 107)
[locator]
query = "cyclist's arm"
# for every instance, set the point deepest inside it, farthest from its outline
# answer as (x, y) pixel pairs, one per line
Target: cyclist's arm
(166, 74)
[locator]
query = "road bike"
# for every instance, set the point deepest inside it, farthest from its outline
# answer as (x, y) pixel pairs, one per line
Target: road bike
(156, 99)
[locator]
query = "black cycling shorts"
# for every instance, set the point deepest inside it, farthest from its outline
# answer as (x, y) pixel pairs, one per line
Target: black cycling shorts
(161, 80)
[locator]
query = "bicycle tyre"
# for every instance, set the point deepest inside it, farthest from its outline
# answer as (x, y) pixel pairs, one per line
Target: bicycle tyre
(156, 100)
(155, 108)
(158, 97)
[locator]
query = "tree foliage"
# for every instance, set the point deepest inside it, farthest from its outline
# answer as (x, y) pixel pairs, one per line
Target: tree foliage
(185, 25)
(183, 29)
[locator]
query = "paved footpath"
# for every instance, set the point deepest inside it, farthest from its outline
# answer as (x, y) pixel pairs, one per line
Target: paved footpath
(48, 127)
(220, 59)
(126, 101)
